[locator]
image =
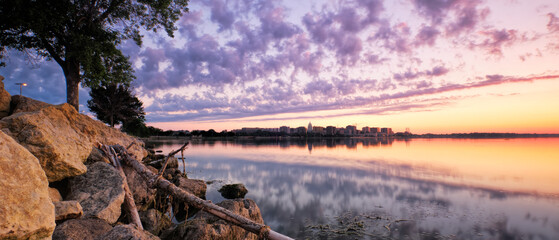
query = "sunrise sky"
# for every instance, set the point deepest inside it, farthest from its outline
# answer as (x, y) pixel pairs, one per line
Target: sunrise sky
(437, 66)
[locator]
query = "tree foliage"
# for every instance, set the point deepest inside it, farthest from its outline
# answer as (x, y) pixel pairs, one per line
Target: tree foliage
(82, 36)
(115, 104)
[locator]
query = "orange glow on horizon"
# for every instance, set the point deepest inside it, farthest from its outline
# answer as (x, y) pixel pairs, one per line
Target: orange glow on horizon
(529, 107)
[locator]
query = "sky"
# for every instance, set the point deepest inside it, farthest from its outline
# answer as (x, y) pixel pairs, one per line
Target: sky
(433, 66)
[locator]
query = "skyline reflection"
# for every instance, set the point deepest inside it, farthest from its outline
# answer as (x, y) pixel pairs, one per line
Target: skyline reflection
(390, 190)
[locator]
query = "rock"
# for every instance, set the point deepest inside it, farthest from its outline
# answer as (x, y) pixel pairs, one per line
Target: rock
(97, 155)
(205, 226)
(62, 139)
(128, 232)
(142, 193)
(154, 221)
(26, 211)
(173, 163)
(194, 186)
(5, 100)
(54, 195)
(81, 228)
(25, 104)
(100, 192)
(232, 191)
(67, 210)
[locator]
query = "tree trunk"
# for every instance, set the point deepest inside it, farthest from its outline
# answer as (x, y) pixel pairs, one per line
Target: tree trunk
(72, 74)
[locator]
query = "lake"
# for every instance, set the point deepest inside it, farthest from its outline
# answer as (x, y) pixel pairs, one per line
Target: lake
(353, 188)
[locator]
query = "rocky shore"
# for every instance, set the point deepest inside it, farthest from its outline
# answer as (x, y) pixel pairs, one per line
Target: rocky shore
(56, 184)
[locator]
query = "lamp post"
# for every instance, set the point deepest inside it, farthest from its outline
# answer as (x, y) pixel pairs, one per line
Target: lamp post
(21, 85)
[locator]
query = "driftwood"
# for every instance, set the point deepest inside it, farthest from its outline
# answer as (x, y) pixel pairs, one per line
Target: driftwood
(129, 204)
(171, 154)
(263, 231)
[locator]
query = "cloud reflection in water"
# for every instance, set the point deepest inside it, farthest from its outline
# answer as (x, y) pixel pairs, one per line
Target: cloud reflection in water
(297, 190)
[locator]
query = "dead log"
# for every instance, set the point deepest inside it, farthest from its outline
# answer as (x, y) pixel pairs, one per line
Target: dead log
(263, 231)
(129, 204)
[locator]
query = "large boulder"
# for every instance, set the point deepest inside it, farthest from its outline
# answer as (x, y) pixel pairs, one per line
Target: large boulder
(24, 104)
(205, 226)
(26, 211)
(100, 192)
(62, 139)
(128, 232)
(232, 191)
(5, 99)
(81, 228)
(194, 186)
(154, 221)
(142, 193)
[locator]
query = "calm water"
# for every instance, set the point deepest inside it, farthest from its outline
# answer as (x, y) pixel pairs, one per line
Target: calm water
(367, 189)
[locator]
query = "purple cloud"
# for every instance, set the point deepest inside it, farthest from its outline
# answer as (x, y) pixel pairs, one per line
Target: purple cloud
(409, 75)
(456, 15)
(496, 39)
(426, 36)
(553, 23)
(221, 14)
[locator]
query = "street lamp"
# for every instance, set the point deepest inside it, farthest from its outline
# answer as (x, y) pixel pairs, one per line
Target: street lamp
(21, 85)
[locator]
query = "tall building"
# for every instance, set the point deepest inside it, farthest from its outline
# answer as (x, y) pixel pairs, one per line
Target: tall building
(365, 130)
(330, 130)
(284, 129)
(309, 129)
(350, 130)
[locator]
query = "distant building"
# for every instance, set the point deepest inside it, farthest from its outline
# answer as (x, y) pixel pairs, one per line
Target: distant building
(284, 129)
(330, 130)
(318, 130)
(340, 131)
(309, 129)
(365, 130)
(301, 130)
(374, 130)
(387, 131)
(350, 130)
(275, 130)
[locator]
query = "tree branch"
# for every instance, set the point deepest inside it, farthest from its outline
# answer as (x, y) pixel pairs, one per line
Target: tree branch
(112, 7)
(50, 49)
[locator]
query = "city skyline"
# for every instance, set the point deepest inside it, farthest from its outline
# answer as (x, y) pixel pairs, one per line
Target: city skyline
(431, 66)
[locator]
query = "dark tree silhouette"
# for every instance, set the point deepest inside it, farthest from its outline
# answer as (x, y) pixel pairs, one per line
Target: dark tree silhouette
(82, 35)
(114, 104)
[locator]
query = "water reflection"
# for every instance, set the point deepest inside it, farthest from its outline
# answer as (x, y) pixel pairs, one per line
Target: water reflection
(355, 188)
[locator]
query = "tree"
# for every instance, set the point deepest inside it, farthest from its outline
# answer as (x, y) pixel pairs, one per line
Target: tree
(82, 35)
(114, 104)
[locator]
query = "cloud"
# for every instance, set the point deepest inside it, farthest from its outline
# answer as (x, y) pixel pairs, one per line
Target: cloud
(427, 36)
(456, 16)
(410, 75)
(325, 95)
(221, 14)
(553, 23)
(496, 39)
(45, 79)
(234, 59)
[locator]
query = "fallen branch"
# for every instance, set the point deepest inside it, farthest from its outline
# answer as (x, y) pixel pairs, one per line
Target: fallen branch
(263, 231)
(129, 204)
(171, 154)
